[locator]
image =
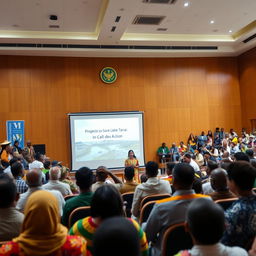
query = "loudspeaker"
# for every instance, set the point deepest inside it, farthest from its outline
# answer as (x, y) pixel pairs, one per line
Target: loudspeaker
(39, 148)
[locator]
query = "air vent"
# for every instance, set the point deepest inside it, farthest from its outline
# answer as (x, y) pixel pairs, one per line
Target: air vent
(159, 1)
(54, 26)
(248, 39)
(117, 18)
(148, 20)
(162, 29)
(126, 47)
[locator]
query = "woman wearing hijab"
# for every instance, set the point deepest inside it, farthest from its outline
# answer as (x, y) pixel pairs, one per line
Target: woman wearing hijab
(42, 234)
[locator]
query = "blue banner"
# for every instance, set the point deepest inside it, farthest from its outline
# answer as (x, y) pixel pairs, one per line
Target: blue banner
(16, 131)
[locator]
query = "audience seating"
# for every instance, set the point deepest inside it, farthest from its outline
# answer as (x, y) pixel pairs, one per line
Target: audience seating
(145, 211)
(226, 203)
(154, 197)
(176, 239)
(77, 214)
(67, 197)
(127, 199)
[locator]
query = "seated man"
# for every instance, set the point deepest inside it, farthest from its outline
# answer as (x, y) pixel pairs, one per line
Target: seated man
(174, 153)
(18, 173)
(102, 173)
(241, 216)
(241, 156)
(163, 152)
(187, 158)
(152, 186)
(171, 210)
(10, 219)
(130, 184)
(199, 157)
(208, 157)
(34, 182)
(7, 170)
(169, 169)
(207, 188)
(205, 223)
(219, 184)
(84, 178)
(38, 162)
(250, 154)
(54, 182)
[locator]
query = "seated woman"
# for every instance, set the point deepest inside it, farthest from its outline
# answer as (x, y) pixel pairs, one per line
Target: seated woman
(192, 143)
(106, 203)
(42, 233)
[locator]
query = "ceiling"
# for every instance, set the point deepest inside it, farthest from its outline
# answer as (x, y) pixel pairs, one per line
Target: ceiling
(106, 28)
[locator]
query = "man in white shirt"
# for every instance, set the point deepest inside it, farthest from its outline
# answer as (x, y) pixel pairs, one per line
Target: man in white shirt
(152, 186)
(55, 184)
(188, 159)
(172, 210)
(206, 223)
(102, 173)
(34, 181)
(37, 163)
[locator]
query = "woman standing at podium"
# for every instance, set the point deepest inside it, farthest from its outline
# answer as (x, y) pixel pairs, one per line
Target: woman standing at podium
(133, 161)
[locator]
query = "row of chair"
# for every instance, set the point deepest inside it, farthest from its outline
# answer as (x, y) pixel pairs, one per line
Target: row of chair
(148, 202)
(175, 237)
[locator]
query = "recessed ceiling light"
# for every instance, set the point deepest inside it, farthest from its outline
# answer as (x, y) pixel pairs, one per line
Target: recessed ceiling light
(230, 31)
(212, 21)
(186, 4)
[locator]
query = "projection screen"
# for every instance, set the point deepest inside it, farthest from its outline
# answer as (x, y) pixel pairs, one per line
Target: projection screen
(104, 138)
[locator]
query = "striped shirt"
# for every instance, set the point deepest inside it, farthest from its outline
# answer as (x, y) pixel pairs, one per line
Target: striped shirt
(21, 185)
(86, 228)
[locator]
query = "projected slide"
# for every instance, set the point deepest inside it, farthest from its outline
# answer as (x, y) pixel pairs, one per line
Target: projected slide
(105, 138)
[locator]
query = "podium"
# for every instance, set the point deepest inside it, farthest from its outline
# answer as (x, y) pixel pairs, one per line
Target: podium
(163, 159)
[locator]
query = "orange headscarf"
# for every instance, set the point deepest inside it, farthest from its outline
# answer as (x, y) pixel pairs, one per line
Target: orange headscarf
(42, 233)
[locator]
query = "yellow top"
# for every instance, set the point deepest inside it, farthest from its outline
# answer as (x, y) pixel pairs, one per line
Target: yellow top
(4, 156)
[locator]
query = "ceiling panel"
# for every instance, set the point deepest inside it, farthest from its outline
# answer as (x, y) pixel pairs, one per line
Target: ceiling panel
(33, 15)
(94, 22)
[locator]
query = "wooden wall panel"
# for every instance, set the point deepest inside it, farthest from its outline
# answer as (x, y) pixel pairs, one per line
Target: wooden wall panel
(178, 96)
(247, 72)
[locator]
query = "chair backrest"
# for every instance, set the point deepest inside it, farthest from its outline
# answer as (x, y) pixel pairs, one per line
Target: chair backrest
(226, 203)
(176, 239)
(67, 197)
(127, 199)
(146, 210)
(153, 197)
(77, 214)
